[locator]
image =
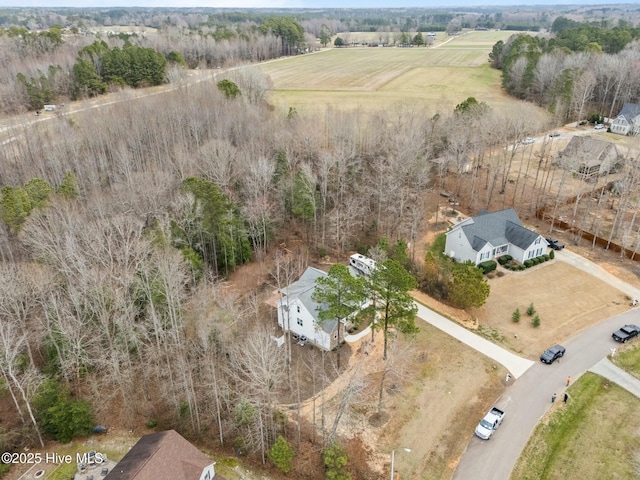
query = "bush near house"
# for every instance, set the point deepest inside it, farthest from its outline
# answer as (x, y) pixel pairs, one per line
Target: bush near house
(504, 259)
(511, 264)
(488, 266)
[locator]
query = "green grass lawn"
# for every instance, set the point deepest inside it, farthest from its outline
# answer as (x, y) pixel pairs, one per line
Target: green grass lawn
(596, 435)
(368, 79)
(629, 358)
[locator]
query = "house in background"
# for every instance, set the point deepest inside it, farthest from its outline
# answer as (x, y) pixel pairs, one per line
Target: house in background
(589, 157)
(299, 313)
(628, 120)
(164, 456)
(490, 235)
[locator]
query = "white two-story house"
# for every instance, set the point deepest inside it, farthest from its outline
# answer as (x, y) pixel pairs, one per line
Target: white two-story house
(492, 234)
(299, 313)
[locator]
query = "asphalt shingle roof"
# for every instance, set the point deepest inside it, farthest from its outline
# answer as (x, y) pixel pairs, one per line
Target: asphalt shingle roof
(630, 111)
(162, 456)
(498, 228)
(303, 291)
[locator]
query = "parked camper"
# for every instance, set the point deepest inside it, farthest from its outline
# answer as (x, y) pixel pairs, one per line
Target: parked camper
(363, 265)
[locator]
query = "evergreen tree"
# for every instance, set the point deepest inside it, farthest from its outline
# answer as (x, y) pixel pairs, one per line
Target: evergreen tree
(281, 454)
(468, 287)
(340, 294)
(335, 460)
(390, 284)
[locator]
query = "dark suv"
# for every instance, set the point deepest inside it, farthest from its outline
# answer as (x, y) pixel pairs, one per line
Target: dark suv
(551, 354)
(555, 244)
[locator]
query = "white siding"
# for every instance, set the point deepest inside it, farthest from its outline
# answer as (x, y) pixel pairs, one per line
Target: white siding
(620, 125)
(208, 473)
(458, 247)
(484, 254)
(299, 320)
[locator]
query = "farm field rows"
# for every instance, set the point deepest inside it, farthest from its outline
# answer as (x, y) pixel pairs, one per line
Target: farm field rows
(369, 79)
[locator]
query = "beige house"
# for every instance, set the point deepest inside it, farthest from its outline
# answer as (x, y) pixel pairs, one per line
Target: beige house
(589, 157)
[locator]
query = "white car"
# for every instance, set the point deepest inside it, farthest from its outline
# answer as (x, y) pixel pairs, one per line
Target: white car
(599, 126)
(528, 141)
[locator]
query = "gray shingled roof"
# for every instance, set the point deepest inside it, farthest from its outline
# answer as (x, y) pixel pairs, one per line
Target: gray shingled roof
(630, 111)
(498, 228)
(303, 290)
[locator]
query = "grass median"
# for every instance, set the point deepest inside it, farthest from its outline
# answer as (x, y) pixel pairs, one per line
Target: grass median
(596, 434)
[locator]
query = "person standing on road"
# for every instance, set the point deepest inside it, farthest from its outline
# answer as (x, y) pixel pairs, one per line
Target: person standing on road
(566, 397)
(553, 398)
(568, 381)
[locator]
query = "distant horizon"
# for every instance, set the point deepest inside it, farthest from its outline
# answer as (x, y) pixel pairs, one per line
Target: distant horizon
(297, 4)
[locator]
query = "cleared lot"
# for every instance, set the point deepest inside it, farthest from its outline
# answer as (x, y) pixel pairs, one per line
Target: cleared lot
(566, 299)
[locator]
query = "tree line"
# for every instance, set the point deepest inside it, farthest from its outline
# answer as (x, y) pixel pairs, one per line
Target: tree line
(581, 70)
(50, 68)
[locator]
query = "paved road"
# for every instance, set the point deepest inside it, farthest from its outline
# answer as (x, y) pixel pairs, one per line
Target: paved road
(527, 400)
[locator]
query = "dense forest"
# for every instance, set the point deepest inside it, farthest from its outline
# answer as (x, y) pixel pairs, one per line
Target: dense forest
(120, 228)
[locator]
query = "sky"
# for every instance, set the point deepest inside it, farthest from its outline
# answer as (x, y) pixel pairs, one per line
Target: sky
(293, 3)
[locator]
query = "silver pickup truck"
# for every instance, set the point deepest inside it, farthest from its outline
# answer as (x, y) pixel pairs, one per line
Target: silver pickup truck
(489, 423)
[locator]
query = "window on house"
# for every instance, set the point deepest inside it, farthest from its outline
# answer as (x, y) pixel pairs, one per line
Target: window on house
(300, 322)
(298, 308)
(537, 242)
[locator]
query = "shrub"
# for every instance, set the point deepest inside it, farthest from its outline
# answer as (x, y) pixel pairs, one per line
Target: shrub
(488, 266)
(281, 454)
(552, 255)
(536, 321)
(528, 263)
(531, 310)
(535, 261)
(335, 461)
(515, 316)
(504, 259)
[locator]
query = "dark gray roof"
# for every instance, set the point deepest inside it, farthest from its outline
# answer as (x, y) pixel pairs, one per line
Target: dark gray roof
(303, 291)
(630, 111)
(498, 228)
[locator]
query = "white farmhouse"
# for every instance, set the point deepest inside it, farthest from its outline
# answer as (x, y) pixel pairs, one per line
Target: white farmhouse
(299, 313)
(628, 120)
(493, 234)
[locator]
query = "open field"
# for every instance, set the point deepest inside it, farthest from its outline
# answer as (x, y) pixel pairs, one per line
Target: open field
(594, 435)
(434, 79)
